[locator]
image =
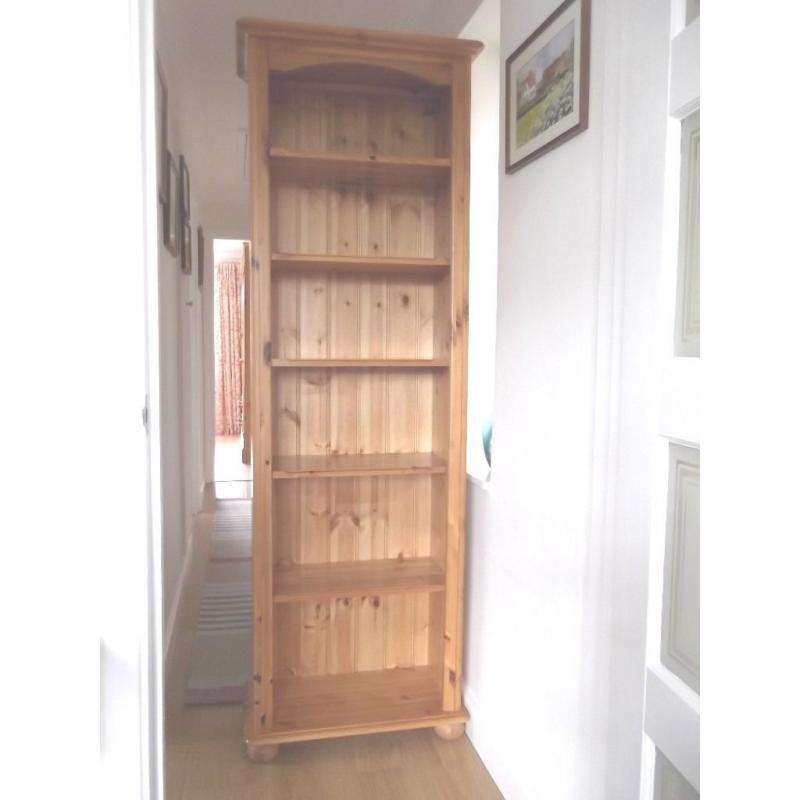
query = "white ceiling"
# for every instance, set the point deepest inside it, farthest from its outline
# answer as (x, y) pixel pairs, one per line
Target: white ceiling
(196, 44)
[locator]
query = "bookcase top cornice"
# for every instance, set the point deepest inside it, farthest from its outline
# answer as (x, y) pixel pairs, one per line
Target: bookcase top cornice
(365, 41)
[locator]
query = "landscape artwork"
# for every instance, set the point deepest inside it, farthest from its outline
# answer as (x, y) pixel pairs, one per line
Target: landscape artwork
(546, 86)
(547, 81)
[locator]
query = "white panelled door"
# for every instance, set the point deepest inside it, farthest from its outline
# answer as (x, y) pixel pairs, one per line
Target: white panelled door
(671, 762)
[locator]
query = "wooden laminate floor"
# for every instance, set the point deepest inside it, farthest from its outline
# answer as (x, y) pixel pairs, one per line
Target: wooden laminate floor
(204, 756)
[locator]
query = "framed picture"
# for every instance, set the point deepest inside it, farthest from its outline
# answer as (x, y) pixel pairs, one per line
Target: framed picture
(186, 247)
(185, 199)
(201, 254)
(163, 113)
(547, 85)
(170, 210)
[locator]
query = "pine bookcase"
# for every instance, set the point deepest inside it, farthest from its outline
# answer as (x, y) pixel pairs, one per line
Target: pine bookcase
(359, 192)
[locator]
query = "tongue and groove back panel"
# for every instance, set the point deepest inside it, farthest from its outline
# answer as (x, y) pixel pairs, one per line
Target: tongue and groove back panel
(324, 315)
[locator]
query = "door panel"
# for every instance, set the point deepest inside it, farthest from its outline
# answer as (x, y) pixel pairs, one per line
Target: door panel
(687, 317)
(671, 753)
(669, 783)
(680, 624)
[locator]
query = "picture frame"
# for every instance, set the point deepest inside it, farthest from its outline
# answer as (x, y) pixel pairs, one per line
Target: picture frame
(547, 85)
(170, 209)
(185, 193)
(186, 247)
(201, 255)
(163, 122)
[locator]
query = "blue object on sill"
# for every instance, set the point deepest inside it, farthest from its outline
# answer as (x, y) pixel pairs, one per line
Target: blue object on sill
(487, 442)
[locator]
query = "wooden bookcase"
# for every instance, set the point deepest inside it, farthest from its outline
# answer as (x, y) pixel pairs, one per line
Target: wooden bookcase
(359, 179)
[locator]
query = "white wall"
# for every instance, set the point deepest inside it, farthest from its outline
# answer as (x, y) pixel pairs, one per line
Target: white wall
(485, 148)
(557, 554)
(182, 383)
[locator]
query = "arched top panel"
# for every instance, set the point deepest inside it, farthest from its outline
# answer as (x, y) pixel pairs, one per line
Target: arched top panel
(349, 73)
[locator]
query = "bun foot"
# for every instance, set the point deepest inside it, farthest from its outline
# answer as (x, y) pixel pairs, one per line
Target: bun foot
(262, 753)
(450, 732)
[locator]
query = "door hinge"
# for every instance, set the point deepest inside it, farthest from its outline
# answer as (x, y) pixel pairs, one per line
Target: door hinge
(268, 352)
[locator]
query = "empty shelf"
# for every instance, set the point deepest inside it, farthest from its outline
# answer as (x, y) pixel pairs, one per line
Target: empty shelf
(359, 363)
(356, 579)
(288, 262)
(355, 466)
(350, 167)
(322, 706)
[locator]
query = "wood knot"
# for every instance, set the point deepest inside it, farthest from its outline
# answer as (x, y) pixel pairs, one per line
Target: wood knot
(291, 415)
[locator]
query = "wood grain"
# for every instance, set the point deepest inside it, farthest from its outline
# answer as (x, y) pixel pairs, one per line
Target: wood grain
(359, 363)
(295, 45)
(344, 579)
(459, 298)
(366, 702)
(293, 262)
(261, 398)
(359, 190)
(361, 465)
(395, 170)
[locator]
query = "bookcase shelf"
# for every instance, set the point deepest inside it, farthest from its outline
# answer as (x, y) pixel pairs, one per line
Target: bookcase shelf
(359, 363)
(319, 707)
(301, 582)
(398, 170)
(360, 465)
(370, 265)
(357, 373)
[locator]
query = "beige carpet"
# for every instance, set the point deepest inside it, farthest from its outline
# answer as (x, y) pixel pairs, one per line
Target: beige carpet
(220, 661)
(231, 540)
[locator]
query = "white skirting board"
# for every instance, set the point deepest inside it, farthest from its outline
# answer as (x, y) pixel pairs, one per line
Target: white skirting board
(169, 631)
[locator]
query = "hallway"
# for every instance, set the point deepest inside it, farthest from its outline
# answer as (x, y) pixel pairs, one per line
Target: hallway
(228, 464)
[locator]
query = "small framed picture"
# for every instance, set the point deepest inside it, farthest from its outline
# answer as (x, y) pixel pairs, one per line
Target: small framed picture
(186, 247)
(170, 210)
(163, 113)
(201, 254)
(185, 198)
(547, 85)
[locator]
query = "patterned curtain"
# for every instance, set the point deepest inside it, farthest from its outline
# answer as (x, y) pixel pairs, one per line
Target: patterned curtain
(228, 345)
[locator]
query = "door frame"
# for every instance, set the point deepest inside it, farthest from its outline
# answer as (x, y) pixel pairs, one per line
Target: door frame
(672, 707)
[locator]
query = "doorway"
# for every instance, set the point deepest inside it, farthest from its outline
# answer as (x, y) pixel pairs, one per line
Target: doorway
(232, 462)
